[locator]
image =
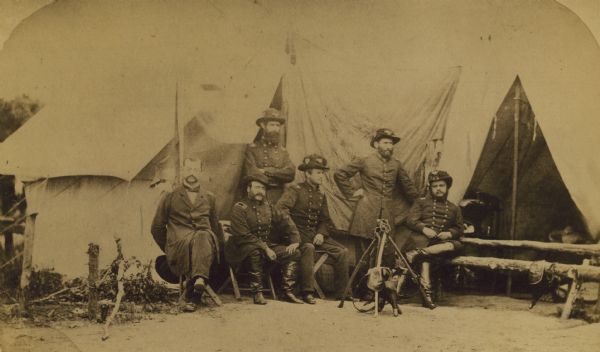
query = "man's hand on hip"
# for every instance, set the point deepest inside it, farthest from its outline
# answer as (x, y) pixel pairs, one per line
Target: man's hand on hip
(358, 194)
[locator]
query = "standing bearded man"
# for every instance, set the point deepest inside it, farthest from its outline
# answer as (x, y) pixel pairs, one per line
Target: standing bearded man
(260, 232)
(437, 224)
(186, 227)
(267, 157)
(306, 204)
(386, 187)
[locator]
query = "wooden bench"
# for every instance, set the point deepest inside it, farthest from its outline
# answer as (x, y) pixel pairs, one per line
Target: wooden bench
(576, 273)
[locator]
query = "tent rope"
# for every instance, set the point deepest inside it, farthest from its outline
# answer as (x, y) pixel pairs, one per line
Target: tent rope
(494, 121)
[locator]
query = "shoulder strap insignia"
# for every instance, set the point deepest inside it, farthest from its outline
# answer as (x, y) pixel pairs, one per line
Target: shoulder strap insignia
(241, 205)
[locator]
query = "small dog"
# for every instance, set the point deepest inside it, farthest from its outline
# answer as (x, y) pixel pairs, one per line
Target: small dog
(385, 281)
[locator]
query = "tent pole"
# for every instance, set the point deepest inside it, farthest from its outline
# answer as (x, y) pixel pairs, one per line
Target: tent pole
(284, 112)
(178, 138)
(513, 200)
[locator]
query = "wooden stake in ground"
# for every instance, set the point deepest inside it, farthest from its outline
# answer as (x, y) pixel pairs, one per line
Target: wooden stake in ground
(572, 297)
(93, 251)
(27, 259)
(120, 289)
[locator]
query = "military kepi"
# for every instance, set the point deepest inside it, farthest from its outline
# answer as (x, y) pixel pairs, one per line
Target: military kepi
(271, 114)
(313, 161)
(440, 175)
(384, 133)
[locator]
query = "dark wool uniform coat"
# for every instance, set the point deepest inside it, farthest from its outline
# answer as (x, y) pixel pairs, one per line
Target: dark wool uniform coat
(256, 225)
(189, 233)
(276, 163)
(438, 215)
(386, 184)
(307, 206)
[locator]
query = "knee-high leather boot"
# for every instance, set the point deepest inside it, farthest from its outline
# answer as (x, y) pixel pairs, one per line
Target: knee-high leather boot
(426, 282)
(289, 277)
(255, 271)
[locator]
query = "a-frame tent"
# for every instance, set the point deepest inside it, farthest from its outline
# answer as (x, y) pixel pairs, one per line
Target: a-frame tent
(543, 202)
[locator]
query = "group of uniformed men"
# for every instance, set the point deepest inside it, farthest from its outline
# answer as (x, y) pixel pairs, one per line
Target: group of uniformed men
(285, 224)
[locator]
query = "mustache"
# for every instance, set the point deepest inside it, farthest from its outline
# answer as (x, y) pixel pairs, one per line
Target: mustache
(272, 134)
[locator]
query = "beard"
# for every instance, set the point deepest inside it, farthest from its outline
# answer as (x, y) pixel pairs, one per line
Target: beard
(259, 197)
(385, 153)
(439, 195)
(272, 137)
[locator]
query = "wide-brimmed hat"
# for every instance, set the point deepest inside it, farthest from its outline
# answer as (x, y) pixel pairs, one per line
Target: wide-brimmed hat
(271, 114)
(439, 175)
(255, 177)
(313, 161)
(384, 133)
(162, 269)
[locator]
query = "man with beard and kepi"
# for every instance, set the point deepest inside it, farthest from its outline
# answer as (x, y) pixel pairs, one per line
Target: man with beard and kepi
(266, 156)
(386, 187)
(436, 223)
(260, 232)
(306, 204)
(186, 228)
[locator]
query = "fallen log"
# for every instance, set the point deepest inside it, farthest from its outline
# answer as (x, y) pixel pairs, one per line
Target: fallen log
(584, 272)
(579, 249)
(52, 295)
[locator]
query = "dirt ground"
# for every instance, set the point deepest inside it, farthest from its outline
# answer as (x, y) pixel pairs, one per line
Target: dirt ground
(462, 323)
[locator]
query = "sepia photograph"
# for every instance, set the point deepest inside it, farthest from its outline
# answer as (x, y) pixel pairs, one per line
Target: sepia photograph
(300, 175)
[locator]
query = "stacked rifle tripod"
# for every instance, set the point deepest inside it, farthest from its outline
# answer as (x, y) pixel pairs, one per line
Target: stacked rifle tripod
(379, 290)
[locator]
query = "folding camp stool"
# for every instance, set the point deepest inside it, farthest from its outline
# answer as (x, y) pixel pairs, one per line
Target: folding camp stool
(207, 289)
(324, 256)
(232, 279)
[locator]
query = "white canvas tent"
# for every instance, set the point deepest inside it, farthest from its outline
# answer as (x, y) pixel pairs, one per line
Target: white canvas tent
(109, 109)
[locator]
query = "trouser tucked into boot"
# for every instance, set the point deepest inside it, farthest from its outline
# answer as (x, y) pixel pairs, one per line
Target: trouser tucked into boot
(255, 262)
(289, 275)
